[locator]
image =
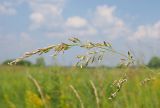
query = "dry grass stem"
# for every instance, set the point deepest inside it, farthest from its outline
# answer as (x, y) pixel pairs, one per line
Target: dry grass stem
(29, 54)
(96, 94)
(35, 82)
(95, 52)
(77, 95)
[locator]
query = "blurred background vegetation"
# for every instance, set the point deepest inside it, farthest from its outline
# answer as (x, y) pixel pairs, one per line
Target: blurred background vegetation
(40, 62)
(18, 91)
(154, 62)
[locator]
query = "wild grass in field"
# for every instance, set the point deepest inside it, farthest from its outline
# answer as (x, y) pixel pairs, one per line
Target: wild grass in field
(93, 87)
(95, 52)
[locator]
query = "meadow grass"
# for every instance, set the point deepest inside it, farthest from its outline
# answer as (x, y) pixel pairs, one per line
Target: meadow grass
(91, 84)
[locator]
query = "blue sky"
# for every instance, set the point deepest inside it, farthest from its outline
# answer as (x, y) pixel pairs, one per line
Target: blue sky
(128, 24)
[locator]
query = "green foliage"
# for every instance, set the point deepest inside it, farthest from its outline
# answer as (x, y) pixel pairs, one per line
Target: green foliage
(24, 63)
(56, 91)
(154, 62)
(20, 63)
(6, 62)
(40, 62)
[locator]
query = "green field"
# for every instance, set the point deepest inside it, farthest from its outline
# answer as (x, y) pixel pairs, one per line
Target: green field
(18, 91)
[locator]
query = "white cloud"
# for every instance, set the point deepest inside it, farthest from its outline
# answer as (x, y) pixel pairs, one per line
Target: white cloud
(37, 18)
(146, 31)
(104, 15)
(107, 23)
(76, 22)
(46, 13)
(46, 8)
(103, 22)
(74, 26)
(6, 9)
